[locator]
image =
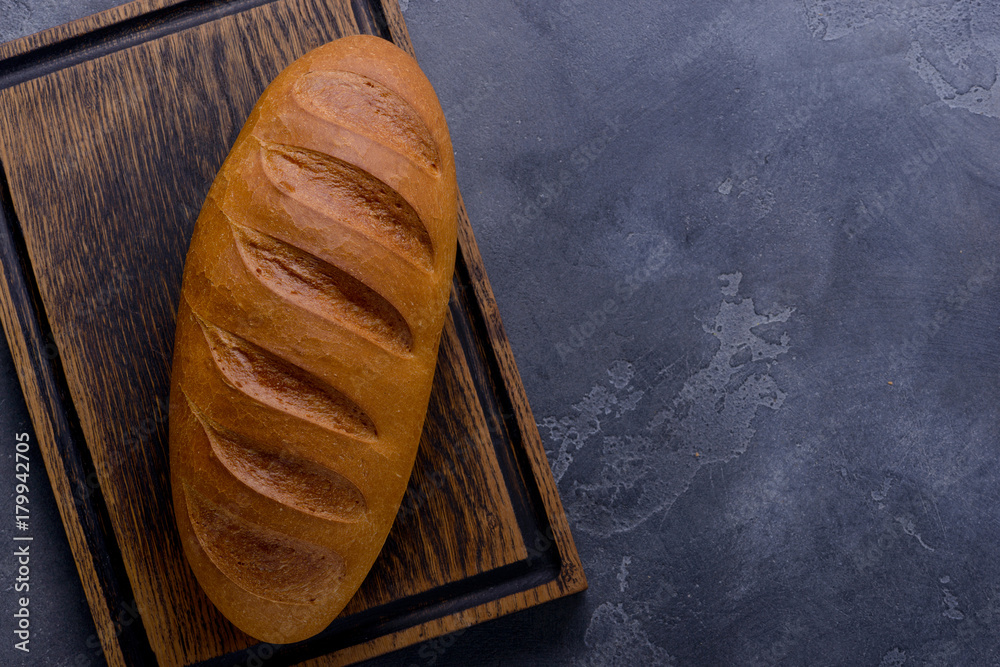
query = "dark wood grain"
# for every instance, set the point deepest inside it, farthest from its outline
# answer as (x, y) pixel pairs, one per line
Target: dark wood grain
(122, 121)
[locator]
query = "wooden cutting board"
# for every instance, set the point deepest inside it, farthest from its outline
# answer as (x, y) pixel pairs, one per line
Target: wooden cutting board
(111, 131)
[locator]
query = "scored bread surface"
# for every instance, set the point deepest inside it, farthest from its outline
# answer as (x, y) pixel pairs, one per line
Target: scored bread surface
(315, 290)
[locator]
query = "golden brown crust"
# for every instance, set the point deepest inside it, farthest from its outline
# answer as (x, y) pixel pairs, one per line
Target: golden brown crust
(315, 291)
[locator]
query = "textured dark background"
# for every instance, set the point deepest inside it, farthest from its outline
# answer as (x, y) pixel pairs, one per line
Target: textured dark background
(746, 254)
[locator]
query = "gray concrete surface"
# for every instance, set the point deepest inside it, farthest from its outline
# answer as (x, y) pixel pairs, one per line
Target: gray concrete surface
(746, 254)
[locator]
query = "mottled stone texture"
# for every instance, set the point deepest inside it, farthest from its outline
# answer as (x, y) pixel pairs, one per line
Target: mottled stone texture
(746, 253)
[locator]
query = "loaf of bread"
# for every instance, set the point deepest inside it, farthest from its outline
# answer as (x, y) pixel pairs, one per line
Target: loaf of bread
(315, 291)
